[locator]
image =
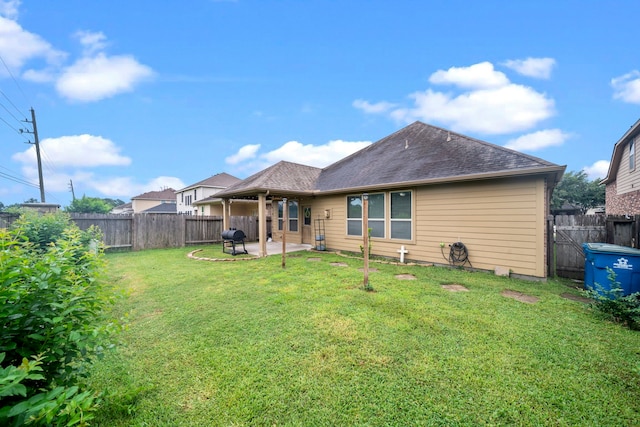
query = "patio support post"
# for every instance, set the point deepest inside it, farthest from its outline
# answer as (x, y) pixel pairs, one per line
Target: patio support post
(226, 217)
(262, 224)
(365, 237)
(285, 225)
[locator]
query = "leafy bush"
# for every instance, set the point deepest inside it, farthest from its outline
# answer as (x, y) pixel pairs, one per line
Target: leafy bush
(612, 303)
(53, 310)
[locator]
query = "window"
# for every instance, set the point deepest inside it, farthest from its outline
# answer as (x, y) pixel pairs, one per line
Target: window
(376, 215)
(293, 216)
(354, 215)
(187, 200)
(632, 155)
(195, 194)
(376, 219)
(292, 213)
(307, 215)
(401, 213)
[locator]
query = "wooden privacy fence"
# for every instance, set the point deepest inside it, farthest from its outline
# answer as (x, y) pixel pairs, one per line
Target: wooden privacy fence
(153, 231)
(572, 231)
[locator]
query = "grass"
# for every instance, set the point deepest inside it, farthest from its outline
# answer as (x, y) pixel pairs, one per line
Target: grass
(248, 343)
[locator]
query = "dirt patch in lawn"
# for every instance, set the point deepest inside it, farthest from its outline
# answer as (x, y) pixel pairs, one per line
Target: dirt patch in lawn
(405, 277)
(339, 264)
(519, 296)
(455, 287)
(578, 298)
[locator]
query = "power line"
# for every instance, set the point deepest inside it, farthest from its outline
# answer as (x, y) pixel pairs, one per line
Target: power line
(18, 180)
(16, 83)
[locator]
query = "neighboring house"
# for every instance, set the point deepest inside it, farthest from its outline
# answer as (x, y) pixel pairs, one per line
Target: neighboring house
(427, 188)
(623, 178)
(125, 209)
(150, 199)
(197, 199)
(162, 208)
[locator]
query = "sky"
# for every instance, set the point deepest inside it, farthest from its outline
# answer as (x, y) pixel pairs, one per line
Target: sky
(137, 96)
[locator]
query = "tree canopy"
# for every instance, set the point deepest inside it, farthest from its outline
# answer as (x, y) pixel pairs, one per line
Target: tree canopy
(576, 189)
(92, 205)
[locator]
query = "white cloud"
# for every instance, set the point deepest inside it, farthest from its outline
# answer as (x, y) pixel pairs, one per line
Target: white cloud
(377, 108)
(539, 68)
(18, 47)
(101, 76)
(127, 187)
(249, 160)
(315, 155)
(538, 140)
(506, 109)
(9, 8)
(91, 41)
(485, 102)
(627, 87)
(479, 76)
(598, 170)
(248, 152)
(92, 77)
(82, 151)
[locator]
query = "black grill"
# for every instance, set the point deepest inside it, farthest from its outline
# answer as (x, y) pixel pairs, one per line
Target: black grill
(231, 238)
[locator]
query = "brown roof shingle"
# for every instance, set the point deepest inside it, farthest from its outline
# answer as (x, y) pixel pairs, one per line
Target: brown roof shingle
(416, 154)
(420, 153)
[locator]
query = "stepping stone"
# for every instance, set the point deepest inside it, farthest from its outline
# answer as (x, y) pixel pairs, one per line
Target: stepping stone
(455, 288)
(339, 264)
(405, 277)
(519, 296)
(314, 259)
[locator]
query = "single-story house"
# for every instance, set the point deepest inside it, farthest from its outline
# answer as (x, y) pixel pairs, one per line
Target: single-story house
(150, 199)
(199, 198)
(427, 188)
(623, 178)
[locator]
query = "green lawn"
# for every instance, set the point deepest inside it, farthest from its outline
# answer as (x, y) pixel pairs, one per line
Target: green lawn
(248, 343)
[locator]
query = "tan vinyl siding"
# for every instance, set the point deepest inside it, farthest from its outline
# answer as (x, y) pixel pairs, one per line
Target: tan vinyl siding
(501, 222)
(628, 180)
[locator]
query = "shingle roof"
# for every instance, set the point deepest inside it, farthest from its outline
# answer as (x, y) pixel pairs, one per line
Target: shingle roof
(287, 177)
(416, 154)
(167, 194)
(421, 153)
(165, 208)
(219, 180)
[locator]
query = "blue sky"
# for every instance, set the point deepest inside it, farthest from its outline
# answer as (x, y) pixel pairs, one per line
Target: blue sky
(135, 96)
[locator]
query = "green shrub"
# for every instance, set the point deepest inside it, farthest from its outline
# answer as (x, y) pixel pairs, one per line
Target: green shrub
(613, 305)
(53, 311)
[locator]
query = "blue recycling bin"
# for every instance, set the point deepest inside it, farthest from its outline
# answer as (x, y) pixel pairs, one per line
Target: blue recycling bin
(624, 261)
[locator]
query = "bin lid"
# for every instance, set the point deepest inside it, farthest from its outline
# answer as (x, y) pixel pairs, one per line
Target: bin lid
(610, 248)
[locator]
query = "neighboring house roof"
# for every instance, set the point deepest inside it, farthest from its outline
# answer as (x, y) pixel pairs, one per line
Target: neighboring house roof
(418, 154)
(618, 151)
(166, 194)
(124, 208)
(220, 180)
(168, 208)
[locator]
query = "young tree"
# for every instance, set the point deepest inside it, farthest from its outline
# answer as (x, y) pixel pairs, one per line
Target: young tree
(576, 189)
(89, 205)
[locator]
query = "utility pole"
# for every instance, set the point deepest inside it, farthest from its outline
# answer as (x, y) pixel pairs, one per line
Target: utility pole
(37, 143)
(73, 194)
